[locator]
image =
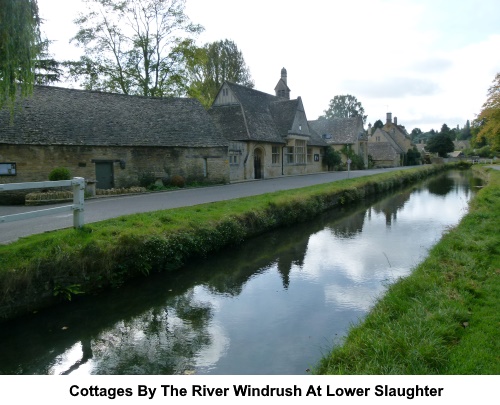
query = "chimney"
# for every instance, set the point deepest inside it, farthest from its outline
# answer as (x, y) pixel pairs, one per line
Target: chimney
(395, 120)
(389, 118)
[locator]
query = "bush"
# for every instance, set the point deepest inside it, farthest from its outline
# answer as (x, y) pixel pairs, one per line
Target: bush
(59, 173)
(146, 179)
(178, 181)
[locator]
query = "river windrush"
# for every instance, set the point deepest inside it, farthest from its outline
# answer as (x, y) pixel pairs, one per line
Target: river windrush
(272, 306)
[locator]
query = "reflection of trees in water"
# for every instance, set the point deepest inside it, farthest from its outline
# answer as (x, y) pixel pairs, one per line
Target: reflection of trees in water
(159, 341)
(390, 206)
(441, 185)
(350, 226)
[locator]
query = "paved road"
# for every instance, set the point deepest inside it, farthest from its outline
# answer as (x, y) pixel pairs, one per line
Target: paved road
(104, 208)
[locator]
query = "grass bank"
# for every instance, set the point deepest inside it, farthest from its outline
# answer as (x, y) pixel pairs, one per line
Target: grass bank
(445, 317)
(41, 270)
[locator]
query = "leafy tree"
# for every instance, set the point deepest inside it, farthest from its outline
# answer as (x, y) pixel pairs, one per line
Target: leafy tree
(215, 63)
(47, 69)
(332, 158)
(465, 133)
(134, 47)
(441, 144)
(413, 157)
(344, 106)
(415, 133)
(378, 124)
(488, 120)
(19, 39)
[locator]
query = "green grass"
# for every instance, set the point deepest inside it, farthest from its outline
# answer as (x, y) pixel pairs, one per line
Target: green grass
(445, 317)
(108, 253)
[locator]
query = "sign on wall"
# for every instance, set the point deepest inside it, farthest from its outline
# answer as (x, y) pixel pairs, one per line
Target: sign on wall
(7, 169)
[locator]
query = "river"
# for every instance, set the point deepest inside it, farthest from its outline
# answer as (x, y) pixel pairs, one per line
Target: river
(275, 305)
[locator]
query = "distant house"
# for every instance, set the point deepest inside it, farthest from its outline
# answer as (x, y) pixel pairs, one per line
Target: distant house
(343, 133)
(112, 138)
(396, 142)
(269, 135)
(461, 145)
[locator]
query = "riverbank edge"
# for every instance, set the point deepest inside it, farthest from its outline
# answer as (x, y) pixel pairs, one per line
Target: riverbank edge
(43, 270)
(443, 318)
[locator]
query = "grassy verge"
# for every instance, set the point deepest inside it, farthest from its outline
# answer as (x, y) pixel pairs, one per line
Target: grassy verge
(445, 317)
(40, 270)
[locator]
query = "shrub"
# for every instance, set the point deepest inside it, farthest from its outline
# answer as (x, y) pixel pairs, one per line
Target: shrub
(177, 181)
(59, 173)
(146, 179)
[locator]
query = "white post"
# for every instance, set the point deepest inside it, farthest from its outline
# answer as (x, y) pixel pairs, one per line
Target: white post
(78, 201)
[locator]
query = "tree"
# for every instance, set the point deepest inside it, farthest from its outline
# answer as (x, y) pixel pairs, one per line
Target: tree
(19, 39)
(465, 133)
(344, 106)
(332, 158)
(488, 120)
(415, 133)
(47, 69)
(215, 63)
(134, 47)
(413, 157)
(441, 144)
(378, 124)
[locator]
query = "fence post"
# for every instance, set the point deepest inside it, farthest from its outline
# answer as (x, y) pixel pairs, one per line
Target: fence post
(78, 201)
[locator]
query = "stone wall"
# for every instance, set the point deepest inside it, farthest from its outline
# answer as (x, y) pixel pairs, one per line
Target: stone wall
(34, 163)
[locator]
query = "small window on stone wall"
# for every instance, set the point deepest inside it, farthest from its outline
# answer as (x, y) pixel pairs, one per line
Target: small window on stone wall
(275, 154)
(8, 169)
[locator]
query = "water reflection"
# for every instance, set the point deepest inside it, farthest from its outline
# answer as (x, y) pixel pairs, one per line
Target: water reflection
(271, 306)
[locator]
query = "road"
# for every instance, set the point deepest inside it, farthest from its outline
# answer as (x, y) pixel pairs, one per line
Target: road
(99, 209)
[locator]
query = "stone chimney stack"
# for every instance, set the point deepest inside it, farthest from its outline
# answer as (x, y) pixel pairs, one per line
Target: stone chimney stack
(395, 120)
(389, 118)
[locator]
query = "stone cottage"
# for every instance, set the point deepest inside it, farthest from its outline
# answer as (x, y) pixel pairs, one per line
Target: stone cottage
(389, 145)
(112, 138)
(343, 133)
(269, 135)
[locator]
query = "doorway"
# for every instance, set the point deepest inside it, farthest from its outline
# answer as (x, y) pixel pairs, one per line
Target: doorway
(257, 163)
(104, 175)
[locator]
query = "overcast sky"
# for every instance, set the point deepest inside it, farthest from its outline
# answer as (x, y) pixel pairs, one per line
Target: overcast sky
(428, 62)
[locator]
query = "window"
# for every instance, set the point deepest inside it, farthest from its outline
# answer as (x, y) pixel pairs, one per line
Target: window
(275, 155)
(300, 152)
(8, 169)
(233, 158)
(309, 155)
(289, 155)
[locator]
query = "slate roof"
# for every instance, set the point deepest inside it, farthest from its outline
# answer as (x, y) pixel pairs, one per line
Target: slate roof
(339, 131)
(258, 117)
(391, 139)
(60, 116)
(382, 151)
